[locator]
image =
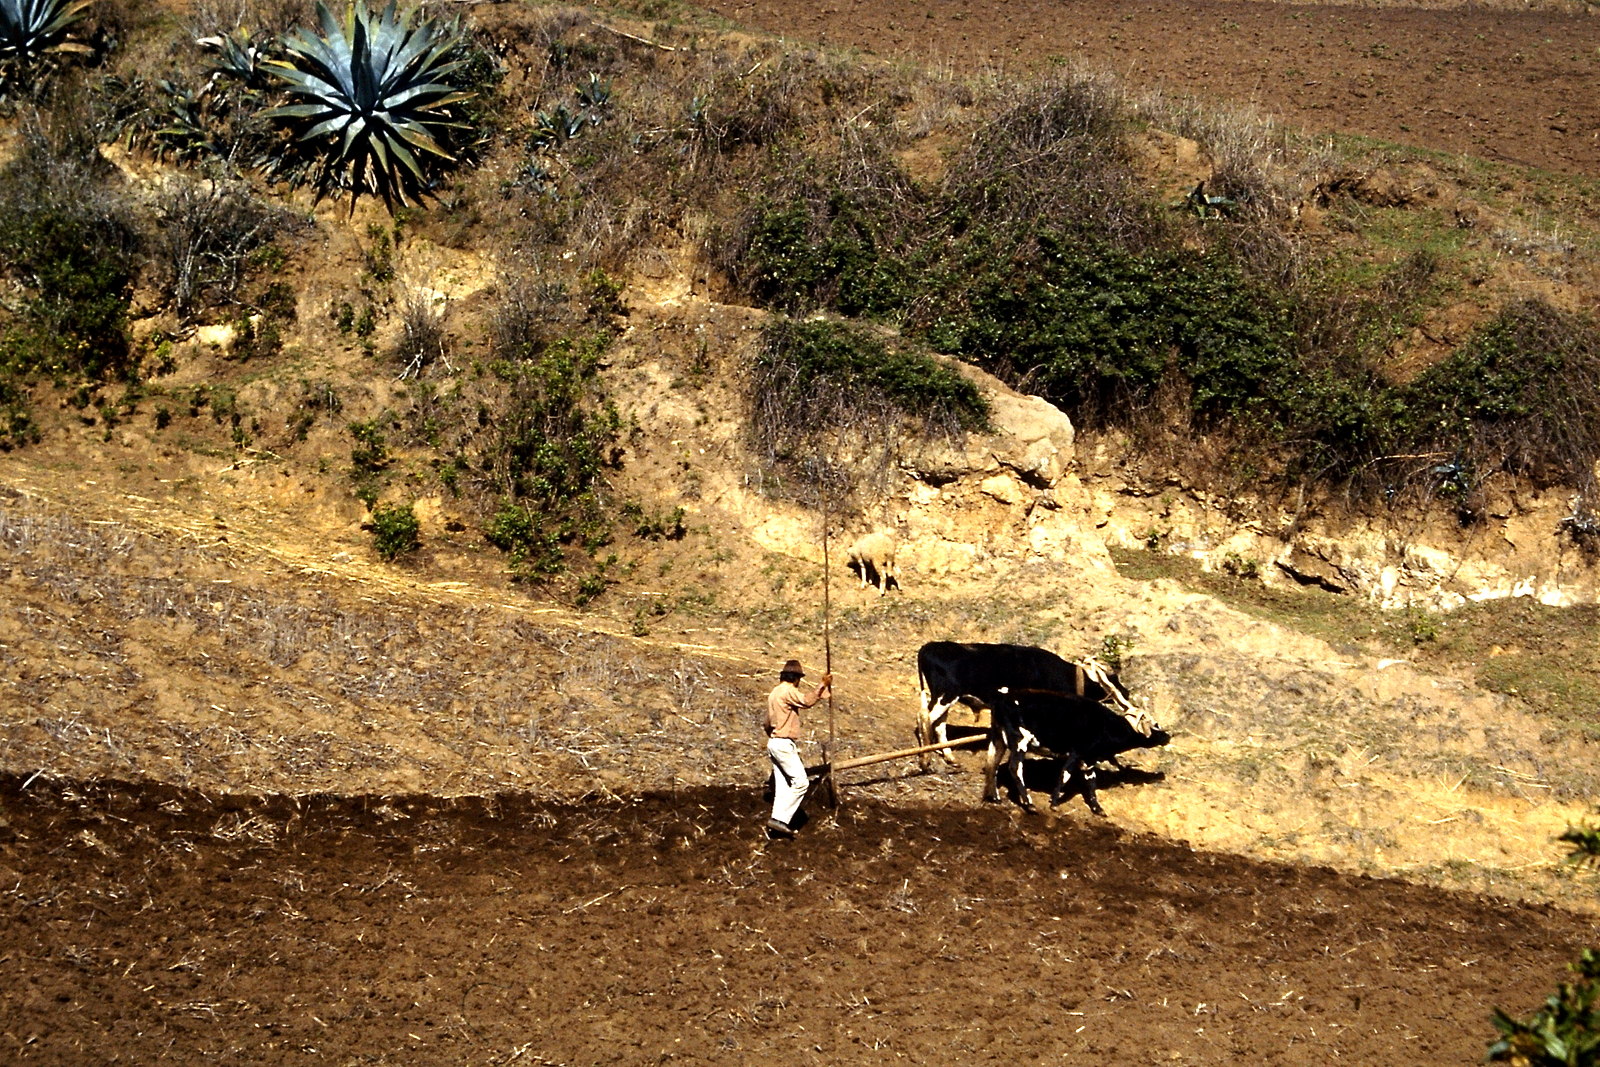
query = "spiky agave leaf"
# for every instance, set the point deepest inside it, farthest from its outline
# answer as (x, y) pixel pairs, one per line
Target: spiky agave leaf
(31, 28)
(377, 97)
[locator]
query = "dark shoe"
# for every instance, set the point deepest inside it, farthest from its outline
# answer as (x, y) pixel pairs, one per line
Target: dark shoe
(776, 829)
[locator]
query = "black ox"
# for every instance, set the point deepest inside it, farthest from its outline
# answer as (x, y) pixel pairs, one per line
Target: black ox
(1039, 703)
(976, 674)
(1076, 730)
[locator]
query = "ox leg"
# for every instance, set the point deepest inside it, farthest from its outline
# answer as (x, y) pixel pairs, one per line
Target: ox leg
(1018, 741)
(931, 720)
(1088, 791)
(933, 728)
(1019, 774)
(1086, 771)
(1068, 765)
(991, 763)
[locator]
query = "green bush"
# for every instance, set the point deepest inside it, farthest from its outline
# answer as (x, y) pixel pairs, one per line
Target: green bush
(1566, 1032)
(1585, 842)
(819, 370)
(369, 458)
(1093, 325)
(17, 427)
(67, 241)
(649, 527)
(798, 258)
(1521, 395)
(522, 533)
(829, 405)
(395, 531)
(552, 436)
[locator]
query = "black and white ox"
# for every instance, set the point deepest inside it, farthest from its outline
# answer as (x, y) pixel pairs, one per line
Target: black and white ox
(1079, 731)
(978, 675)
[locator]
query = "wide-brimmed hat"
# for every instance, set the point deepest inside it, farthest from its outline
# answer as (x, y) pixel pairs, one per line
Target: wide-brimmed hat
(793, 667)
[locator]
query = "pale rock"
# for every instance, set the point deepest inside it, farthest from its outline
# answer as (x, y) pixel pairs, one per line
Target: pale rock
(1004, 488)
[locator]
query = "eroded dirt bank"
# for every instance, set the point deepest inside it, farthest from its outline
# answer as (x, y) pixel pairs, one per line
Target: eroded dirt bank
(147, 924)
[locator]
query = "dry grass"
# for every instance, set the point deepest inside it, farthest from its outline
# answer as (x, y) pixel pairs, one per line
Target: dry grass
(157, 666)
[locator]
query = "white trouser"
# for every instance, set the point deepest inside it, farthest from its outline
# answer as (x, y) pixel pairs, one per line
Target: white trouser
(789, 779)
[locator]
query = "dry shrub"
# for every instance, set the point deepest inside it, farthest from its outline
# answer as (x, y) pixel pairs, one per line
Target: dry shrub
(1056, 151)
(265, 19)
(1249, 150)
(1522, 396)
(423, 340)
(207, 231)
(529, 311)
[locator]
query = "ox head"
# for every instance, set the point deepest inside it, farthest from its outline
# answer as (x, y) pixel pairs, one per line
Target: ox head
(1118, 699)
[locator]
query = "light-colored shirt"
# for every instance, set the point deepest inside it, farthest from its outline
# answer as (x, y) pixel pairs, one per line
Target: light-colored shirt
(784, 705)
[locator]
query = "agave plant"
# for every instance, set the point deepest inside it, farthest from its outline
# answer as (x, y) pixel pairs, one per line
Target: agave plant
(377, 98)
(236, 56)
(31, 28)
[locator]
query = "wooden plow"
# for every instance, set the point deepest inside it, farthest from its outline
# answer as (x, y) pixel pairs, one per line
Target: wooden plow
(826, 790)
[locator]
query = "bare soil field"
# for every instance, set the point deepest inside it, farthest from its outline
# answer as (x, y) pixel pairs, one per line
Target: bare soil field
(1501, 84)
(148, 924)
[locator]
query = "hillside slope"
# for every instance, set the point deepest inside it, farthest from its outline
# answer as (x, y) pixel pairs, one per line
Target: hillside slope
(219, 626)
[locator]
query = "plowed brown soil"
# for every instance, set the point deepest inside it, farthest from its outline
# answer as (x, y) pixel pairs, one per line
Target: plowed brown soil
(151, 925)
(1515, 86)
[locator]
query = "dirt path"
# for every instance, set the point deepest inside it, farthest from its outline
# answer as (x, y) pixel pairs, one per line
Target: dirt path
(1515, 86)
(150, 924)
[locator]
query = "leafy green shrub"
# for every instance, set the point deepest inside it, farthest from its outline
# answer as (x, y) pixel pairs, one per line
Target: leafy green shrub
(803, 362)
(1114, 649)
(66, 239)
(552, 436)
(395, 531)
(368, 459)
(798, 257)
(1093, 325)
(1565, 1033)
(378, 97)
(655, 527)
(17, 427)
(522, 533)
(829, 404)
(1521, 395)
(591, 586)
(1585, 842)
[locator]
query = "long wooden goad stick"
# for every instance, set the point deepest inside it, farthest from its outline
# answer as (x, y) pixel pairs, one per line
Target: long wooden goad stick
(827, 639)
